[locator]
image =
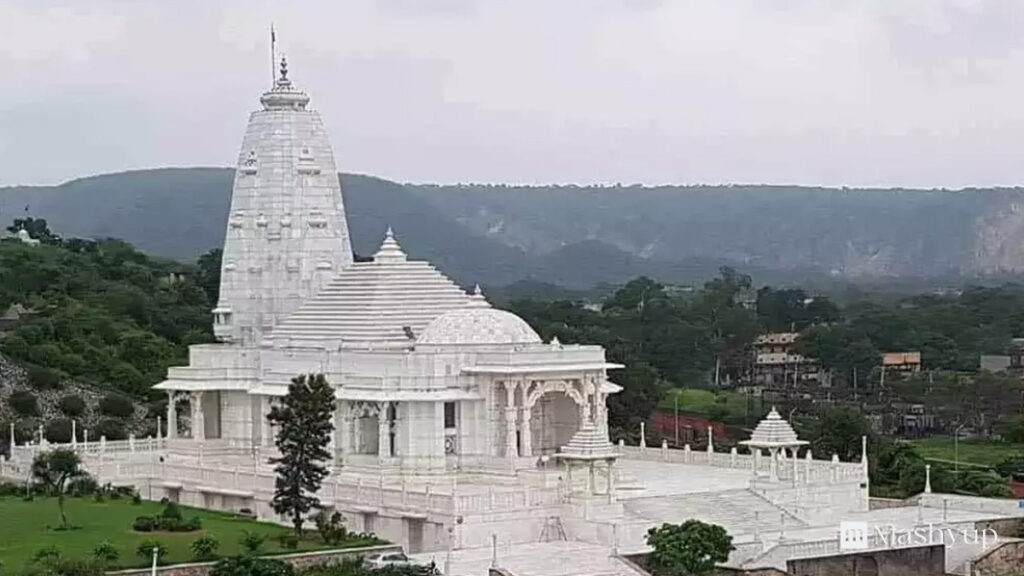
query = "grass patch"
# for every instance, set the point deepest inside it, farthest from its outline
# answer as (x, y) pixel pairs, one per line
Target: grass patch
(724, 404)
(980, 452)
(27, 527)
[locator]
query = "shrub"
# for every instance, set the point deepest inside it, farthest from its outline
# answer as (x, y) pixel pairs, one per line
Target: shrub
(144, 524)
(251, 566)
(145, 550)
(996, 490)
(42, 378)
(47, 553)
(24, 403)
(82, 486)
(204, 548)
(72, 406)
(171, 511)
(68, 567)
(194, 523)
(58, 430)
(288, 541)
(136, 498)
(331, 526)
(112, 429)
(117, 406)
(252, 542)
(106, 552)
(15, 346)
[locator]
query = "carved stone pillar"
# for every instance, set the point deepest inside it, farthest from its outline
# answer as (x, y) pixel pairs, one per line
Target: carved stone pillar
(343, 430)
(198, 418)
(510, 420)
(383, 432)
(172, 415)
(525, 433)
(266, 431)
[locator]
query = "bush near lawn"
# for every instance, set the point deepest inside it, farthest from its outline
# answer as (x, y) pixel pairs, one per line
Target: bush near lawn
(28, 527)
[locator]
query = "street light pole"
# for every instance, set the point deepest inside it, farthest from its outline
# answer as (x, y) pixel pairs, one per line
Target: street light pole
(956, 448)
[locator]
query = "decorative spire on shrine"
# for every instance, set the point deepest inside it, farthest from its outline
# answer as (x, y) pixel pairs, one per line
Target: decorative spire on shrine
(389, 250)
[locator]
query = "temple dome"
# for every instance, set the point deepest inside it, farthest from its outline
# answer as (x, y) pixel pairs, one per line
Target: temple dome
(478, 323)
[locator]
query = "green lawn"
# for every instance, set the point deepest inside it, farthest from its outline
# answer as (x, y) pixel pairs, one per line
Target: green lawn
(27, 527)
(985, 453)
(707, 402)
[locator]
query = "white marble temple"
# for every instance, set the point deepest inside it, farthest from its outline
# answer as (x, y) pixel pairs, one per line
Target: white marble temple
(449, 412)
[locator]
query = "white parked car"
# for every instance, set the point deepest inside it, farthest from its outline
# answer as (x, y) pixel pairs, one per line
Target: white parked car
(387, 559)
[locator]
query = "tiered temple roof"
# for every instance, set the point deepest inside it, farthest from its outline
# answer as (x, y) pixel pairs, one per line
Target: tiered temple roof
(773, 432)
(388, 301)
(588, 443)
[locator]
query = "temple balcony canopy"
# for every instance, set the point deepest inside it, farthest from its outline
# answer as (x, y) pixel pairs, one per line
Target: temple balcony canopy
(774, 433)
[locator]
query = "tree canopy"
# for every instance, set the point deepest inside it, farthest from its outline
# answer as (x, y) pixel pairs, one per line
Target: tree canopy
(304, 418)
(692, 548)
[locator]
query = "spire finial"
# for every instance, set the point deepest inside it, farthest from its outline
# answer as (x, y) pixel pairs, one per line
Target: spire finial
(389, 233)
(477, 291)
(273, 57)
(284, 68)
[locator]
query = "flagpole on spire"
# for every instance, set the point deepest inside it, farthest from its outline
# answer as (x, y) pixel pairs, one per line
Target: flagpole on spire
(273, 56)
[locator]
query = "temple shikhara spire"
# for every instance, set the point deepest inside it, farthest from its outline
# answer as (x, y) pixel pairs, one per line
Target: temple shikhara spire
(287, 233)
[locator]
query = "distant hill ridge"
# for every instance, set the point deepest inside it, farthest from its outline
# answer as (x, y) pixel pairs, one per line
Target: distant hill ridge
(579, 236)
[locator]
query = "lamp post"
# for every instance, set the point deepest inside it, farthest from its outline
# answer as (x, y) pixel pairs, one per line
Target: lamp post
(156, 553)
(956, 448)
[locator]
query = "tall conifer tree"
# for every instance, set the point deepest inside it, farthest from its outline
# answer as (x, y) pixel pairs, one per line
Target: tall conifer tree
(305, 421)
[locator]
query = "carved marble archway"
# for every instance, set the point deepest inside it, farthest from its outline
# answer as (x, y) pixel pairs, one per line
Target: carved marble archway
(543, 387)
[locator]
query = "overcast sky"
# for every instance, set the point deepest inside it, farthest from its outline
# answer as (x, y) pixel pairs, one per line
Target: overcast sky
(873, 92)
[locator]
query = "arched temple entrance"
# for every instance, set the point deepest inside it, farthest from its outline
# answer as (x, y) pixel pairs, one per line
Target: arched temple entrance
(555, 418)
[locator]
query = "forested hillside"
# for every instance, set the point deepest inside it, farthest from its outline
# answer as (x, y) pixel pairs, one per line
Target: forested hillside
(581, 236)
(102, 312)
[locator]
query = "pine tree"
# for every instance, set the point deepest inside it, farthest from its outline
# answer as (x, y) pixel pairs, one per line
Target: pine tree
(305, 421)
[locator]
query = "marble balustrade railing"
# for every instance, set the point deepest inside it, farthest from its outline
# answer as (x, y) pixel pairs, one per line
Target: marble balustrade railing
(808, 471)
(1010, 507)
(258, 480)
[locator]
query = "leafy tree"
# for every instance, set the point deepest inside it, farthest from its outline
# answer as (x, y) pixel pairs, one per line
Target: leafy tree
(209, 273)
(54, 469)
(692, 548)
(641, 390)
(838, 431)
(304, 420)
(36, 228)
